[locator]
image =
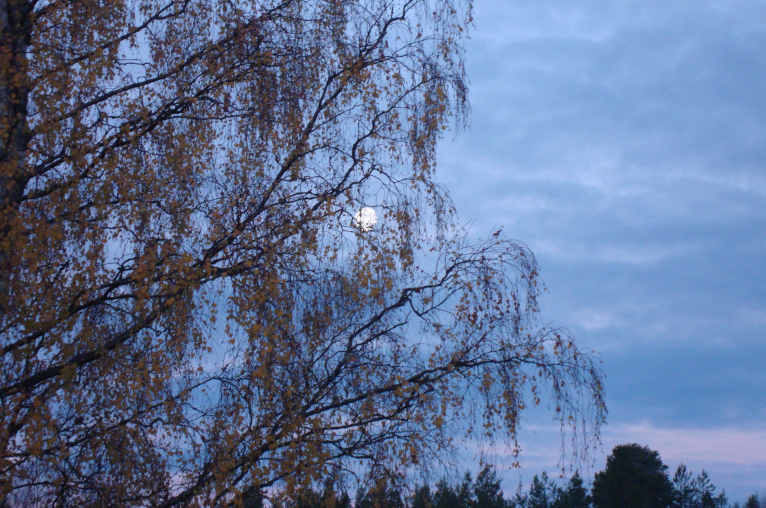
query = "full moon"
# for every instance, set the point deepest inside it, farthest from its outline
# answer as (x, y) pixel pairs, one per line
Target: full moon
(365, 218)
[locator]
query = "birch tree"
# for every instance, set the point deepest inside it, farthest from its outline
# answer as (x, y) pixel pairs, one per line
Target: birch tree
(191, 307)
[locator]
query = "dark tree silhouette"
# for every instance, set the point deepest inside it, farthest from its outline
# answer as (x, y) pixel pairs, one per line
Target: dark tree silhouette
(445, 495)
(487, 490)
(635, 477)
(575, 495)
(383, 494)
(422, 497)
(684, 491)
(695, 492)
(542, 493)
(752, 502)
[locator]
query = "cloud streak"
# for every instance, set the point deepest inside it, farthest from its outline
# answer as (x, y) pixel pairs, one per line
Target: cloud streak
(721, 445)
(625, 144)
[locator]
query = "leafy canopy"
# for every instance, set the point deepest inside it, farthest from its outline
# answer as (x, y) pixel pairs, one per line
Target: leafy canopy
(188, 313)
(635, 476)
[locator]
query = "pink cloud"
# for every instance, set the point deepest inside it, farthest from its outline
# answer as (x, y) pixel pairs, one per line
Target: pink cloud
(737, 446)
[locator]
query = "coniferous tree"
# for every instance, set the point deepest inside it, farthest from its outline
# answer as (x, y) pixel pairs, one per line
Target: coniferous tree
(487, 490)
(423, 498)
(446, 496)
(542, 493)
(683, 488)
(383, 494)
(331, 498)
(465, 491)
(705, 490)
(520, 498)
(308, 498)
(752, 502)
(696, 492)
(250, 499)
(721, 500)
(575, 495)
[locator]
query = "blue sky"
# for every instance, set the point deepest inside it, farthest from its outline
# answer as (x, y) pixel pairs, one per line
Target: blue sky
(625, 144)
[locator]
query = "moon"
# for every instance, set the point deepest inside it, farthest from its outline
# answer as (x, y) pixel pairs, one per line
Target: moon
(365, 219)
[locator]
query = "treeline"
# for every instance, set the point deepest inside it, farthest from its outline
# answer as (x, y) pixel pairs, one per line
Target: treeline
(634, 476)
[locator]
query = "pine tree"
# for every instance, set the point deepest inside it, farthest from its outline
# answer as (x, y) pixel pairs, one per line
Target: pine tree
(752, 502)
(574, 495)
(542, 493)
(487, 490)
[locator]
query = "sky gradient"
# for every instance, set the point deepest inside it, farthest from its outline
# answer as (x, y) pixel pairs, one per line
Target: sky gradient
(625, 144)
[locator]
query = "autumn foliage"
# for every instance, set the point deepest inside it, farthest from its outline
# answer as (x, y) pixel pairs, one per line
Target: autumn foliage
(188, 312)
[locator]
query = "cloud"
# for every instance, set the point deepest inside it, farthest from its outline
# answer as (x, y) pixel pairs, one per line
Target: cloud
(740, 446)
(624, 142)
(611, 253)
(593, 319)
(720, 446)
(724, 445)
(755, 316)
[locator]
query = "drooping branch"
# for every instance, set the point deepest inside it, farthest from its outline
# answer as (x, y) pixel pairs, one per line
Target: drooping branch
(189, 309)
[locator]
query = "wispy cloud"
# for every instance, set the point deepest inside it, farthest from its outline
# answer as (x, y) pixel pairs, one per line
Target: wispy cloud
(719, 445)
(724, 445)
(614, 253)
